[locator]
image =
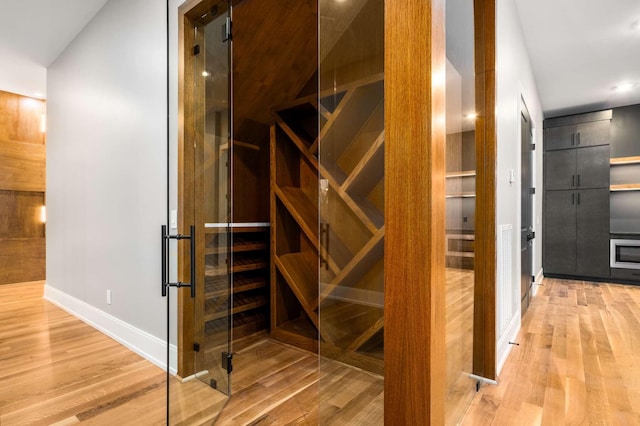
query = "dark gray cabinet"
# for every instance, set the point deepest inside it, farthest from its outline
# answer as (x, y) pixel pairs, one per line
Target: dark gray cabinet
(592, 229)
(577, 168)
(560, 233)
(576, 236)
(576, 201)
(578, 131)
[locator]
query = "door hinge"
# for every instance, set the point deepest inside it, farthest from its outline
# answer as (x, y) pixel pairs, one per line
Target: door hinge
(533, 191)
(533, 279)
(196, 347)
(227, 362)
(533, 147)
(226, 30)
(196, 50)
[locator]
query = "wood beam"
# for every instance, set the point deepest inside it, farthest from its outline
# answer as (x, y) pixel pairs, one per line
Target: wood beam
(414, 330)
(484, 322)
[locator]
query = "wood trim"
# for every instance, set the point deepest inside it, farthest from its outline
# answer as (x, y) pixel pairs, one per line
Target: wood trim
(484, 322)
(414, 330)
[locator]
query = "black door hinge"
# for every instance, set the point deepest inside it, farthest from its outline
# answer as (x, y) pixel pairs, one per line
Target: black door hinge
(196, 50)
(227, 362)
(533, 147)
(226, 30)
(196, 347)
(533, 191)
(533, 279)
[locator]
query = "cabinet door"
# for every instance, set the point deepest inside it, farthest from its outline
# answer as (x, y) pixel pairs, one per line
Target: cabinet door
(594, 133)
(592, 167)
(592, 232)
(560, 169)
(560, 232)
(561, 137)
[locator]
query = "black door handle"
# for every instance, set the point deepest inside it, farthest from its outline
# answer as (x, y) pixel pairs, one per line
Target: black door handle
(192, 257)
(531, 236)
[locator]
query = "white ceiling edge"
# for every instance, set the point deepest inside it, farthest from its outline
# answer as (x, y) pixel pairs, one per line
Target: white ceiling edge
(26, 50)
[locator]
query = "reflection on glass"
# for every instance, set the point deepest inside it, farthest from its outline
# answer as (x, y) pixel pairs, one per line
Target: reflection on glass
(351, 203)
(460, 207)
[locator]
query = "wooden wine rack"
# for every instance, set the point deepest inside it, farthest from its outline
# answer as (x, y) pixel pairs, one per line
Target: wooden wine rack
(337, 305)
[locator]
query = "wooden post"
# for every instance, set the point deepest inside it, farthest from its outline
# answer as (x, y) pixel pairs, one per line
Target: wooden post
(414, 331)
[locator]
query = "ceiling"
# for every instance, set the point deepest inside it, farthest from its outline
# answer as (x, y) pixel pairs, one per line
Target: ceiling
(580, 50)
(32, 35)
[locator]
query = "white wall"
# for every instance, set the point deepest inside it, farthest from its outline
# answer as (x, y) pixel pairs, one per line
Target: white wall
(514, 79)
(106, 173)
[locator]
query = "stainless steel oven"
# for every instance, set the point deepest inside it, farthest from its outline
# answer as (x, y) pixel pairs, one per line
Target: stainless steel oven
(625, 253)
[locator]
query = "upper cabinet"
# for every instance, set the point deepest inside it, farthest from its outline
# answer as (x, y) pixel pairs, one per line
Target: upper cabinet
(577, 131)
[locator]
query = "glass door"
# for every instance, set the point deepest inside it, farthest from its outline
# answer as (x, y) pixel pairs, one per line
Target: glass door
(202, 342)
(351, 210)
(213, 199)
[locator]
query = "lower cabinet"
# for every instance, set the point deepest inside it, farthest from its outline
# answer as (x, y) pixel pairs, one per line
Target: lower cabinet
(576, 240)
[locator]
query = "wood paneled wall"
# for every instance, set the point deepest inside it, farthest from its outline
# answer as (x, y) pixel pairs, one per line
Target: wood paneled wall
(22, 188)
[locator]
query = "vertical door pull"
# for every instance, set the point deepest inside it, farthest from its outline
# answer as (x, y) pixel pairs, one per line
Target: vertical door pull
(578, 139)
(165, 257)
(573, 139)
(578, 198)
(578, 181)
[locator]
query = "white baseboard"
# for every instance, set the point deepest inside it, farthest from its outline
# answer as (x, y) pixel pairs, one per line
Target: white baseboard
(539, 278)
(509, 335)
(144, 344)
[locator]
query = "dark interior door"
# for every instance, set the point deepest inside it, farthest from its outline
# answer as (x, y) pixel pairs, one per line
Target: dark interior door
(592, 218)
(560, 232)
(526, 224)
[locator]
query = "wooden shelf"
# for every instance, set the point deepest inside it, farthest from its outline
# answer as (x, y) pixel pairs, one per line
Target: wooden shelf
(219, 286)
(625, 187)
(467, 173)
(242, 302)
(461, 195)
(301, 208)
(352, 161)
(244, 323)
(625, 160)
(361, 263)
(241, 263)
(240, 243)
(301, 273)
(351, 324)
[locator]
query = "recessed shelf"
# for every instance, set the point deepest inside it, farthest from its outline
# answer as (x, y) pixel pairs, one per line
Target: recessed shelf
(625, 187)
(625, 160)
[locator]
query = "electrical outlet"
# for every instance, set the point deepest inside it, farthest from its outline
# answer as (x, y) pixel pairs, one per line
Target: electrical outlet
(108, 297)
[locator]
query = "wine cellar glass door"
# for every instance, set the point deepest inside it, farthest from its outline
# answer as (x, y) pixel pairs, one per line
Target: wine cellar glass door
(213, 198)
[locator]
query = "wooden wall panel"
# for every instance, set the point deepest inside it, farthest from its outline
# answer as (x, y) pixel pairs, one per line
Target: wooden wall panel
(22, 166)
(22, 187)
(20, 118)
(414, 329)
(21, 260)
(20, 214)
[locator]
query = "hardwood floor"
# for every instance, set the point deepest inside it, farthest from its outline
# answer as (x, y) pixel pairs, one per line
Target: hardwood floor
(577, 363)
(56, 370)
(578, 360)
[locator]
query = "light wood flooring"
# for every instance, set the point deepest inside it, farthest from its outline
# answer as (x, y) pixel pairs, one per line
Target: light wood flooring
(577, 363)
(56, 370)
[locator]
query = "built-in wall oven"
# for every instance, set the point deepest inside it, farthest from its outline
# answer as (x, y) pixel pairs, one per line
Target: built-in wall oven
(625, 253)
